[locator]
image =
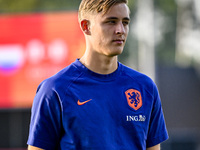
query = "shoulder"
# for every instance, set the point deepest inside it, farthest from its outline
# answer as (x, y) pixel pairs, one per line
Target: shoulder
(136, 75)
(139, 80)
(61, 80)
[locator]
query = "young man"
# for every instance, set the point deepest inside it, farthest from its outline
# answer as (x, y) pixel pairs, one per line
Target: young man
(97, 103)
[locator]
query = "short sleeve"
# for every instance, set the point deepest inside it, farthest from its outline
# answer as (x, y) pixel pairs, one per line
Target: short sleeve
(45, 126)
(157, 128)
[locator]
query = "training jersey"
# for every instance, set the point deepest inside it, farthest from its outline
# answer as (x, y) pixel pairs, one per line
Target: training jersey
(78, 109)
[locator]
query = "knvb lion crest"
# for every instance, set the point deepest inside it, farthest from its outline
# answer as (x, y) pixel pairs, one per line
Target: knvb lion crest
(134, 98)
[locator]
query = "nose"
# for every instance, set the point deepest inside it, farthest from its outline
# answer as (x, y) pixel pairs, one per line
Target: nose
(120, 29)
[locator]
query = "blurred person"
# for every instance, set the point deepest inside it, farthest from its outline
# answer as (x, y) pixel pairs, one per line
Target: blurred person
(96, 102)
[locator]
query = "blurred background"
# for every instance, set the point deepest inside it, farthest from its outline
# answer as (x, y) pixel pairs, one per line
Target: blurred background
(39, 38)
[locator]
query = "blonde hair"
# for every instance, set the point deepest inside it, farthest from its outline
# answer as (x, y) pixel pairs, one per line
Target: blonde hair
(96, 6)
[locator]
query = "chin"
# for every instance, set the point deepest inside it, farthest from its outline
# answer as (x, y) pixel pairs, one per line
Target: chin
(115, 52)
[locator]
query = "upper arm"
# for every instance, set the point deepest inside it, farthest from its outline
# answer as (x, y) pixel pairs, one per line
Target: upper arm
(33, 148)
(45, 119)
(157, 132)
(156, 147)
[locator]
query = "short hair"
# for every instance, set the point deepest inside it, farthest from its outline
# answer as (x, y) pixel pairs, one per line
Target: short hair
(96, 6)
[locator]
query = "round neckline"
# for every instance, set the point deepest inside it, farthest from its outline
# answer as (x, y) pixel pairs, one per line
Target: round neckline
(102, 77)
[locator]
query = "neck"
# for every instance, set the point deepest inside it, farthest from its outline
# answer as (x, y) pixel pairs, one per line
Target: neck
(99, 63)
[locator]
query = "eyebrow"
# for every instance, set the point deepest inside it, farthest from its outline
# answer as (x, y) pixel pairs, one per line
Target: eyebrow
(115, 18)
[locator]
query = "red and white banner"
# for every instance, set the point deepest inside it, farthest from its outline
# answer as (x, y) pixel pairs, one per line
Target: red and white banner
(34, 47)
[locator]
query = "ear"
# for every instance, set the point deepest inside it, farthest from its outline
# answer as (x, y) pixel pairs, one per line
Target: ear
(85, 26)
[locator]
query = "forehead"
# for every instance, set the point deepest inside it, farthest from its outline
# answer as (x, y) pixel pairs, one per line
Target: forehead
(120, 11)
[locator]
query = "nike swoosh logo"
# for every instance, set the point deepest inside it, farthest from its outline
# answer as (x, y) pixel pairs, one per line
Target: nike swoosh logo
(82, 103)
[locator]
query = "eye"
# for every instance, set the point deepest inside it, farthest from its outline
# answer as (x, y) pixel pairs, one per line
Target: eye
(125, 23)
(111, 21)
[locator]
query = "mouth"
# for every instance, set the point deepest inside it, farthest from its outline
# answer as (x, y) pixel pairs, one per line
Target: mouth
(119, 41)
